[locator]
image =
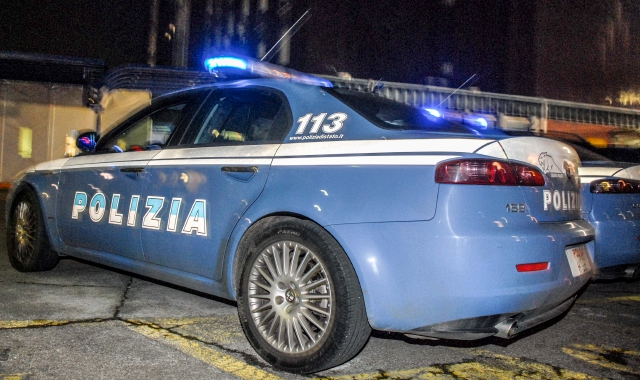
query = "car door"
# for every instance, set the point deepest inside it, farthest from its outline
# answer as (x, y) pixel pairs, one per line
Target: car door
(99, 200)
(196, 193)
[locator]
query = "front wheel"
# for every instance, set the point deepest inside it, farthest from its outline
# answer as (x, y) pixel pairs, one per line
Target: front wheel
(300, 302)
(28, 245)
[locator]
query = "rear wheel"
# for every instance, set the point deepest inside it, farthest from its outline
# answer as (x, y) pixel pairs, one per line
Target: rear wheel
(300, 302)
(28, 245)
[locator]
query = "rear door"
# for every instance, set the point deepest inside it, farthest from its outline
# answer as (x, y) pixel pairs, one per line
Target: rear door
(196, 192)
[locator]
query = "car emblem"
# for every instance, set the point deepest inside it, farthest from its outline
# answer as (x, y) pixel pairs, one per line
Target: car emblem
(549, 166)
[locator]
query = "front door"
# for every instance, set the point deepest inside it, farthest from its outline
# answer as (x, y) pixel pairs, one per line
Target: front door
(196, 194)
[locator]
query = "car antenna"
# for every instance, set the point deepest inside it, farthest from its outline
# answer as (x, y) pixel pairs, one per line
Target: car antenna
(294, 28)
(451, 94)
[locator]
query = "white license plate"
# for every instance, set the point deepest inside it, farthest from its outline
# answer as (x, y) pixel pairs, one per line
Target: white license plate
(579, 260)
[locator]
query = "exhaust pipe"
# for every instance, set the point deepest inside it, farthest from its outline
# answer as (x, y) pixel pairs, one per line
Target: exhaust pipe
(632, 272)
(507, 328)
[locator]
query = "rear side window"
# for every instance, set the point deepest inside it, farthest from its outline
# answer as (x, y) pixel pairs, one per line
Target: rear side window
(243, 116)
(389, 114)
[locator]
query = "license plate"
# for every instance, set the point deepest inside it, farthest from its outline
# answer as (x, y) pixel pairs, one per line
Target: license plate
(579, 260)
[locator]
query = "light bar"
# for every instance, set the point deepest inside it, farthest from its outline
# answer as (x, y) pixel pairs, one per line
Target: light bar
(433, 112)
(482, 122)
(225, 62)
(241, 66)
(479, 121)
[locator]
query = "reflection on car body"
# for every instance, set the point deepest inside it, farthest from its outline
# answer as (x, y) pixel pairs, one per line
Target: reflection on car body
(323, 212)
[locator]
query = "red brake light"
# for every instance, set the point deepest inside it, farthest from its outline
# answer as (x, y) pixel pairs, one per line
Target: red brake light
(532, 267)
(528, 176)
(488, 172)
(615, 186)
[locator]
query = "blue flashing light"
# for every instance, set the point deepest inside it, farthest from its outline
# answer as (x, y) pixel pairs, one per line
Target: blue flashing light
(433, 112)
(255, 68)
(225, 63)
(482, 122)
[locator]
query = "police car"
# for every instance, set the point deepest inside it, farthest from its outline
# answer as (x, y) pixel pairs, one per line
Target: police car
(610, 194)
(323, 212)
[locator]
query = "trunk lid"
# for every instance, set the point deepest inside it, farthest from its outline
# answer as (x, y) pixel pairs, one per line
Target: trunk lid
(559, 199)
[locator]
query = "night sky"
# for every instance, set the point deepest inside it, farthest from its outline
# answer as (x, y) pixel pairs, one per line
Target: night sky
(584, 50)
(394, 40)
(115, 31)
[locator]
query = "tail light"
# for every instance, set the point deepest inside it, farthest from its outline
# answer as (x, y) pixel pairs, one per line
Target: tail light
(488, 172)
(615, 186)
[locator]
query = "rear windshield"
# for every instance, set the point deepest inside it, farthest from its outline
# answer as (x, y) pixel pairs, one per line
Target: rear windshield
(389, 114)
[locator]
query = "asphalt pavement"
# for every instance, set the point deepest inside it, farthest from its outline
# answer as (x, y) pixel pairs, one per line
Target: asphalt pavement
(84, 321)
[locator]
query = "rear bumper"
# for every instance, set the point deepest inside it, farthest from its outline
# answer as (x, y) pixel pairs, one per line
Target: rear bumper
(419, 274)
(501, 325)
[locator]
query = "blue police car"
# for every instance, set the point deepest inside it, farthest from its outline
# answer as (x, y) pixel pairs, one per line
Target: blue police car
(323, 212)
(610, 201)
(610, 194)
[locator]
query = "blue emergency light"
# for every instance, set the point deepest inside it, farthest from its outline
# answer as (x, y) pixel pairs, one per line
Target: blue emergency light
(433, 112)
(473, 120)
(477, 121)
(216, 63)
(236, 66)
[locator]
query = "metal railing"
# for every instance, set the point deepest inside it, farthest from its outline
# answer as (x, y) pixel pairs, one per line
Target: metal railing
(494, 103)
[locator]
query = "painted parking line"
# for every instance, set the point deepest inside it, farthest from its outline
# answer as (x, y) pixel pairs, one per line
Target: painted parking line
(4, 325)
(486, 365)
(223, 330)
(203, 352)
(635, 298)
(613, 358)
(15, 376)
(159, 332)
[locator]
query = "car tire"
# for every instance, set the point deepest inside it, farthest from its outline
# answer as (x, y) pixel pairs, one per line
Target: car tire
(292, 325)
(28, 245)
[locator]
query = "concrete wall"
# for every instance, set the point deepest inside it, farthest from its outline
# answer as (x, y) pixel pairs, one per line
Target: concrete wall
(39, 122)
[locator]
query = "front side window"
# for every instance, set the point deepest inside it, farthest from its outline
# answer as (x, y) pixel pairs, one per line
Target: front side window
(237, 116)
(148, 133)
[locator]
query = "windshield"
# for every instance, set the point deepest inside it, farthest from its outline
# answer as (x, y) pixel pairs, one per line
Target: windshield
(389, 114)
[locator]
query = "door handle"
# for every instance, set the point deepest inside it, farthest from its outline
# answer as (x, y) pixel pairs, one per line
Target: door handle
(132, 170)
(239, 169)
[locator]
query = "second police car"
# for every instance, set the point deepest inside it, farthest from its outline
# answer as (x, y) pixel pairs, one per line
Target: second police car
(610, 193)
(323, 212)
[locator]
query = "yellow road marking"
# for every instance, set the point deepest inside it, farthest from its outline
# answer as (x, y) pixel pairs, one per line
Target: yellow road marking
(220, 329)
(222, 361)
(33, 323)
(487, 365)
(602, 355)
(612, 299)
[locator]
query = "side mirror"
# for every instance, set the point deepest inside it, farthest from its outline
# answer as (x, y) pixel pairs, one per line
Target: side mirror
(86, 141)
